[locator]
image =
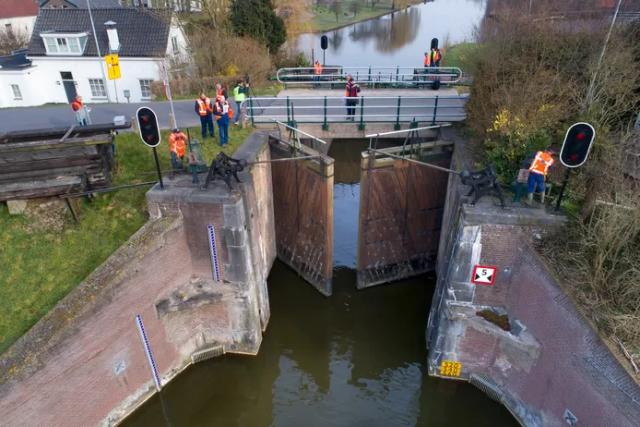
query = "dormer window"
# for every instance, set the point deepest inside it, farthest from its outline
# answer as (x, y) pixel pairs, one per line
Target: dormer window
(65, 44)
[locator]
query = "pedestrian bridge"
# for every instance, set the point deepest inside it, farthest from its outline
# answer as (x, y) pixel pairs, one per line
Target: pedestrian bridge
(371, 76)
(377, 110)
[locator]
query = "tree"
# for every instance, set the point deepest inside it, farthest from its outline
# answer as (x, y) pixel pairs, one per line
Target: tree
(355, 7)
(258, 20)
(336, 7)
(216, 10)
(11, 40)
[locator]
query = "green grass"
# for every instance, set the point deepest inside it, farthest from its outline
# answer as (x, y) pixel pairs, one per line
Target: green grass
(460, 55)
(40, 268)
(325, 19)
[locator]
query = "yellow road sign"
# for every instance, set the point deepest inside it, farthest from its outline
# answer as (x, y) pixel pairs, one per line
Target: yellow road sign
(449, 368)
(113, 66)
(114, 72)
(112, 59)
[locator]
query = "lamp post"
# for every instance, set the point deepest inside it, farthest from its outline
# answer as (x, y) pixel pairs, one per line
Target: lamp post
(95, 38)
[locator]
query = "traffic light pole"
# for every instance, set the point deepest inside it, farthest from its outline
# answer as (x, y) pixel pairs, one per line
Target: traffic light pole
(155, 156)
(564, 186)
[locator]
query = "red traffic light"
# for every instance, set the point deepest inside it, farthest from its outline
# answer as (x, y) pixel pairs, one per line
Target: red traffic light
(148, 126)
(577, 145)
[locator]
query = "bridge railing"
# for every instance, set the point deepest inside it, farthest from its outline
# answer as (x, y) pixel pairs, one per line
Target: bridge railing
(369, 109)
(370, 76)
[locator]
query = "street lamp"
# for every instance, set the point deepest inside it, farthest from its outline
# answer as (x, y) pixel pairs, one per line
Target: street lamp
(95, 38)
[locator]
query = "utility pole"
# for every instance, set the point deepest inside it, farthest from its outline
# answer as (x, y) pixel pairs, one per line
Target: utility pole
(100, 60)
(167, 87)
(590, 91)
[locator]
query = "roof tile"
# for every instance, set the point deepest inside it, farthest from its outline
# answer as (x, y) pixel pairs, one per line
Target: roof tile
(142, 32)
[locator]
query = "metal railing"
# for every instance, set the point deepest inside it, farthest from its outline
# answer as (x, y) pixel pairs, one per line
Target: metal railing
(369, 109)
(370, 76)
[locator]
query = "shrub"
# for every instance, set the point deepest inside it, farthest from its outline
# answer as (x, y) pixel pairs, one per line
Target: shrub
(258, 20)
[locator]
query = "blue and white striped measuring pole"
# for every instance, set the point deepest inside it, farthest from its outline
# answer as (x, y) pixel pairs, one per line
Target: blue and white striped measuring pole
(147, 350)
(214, 253)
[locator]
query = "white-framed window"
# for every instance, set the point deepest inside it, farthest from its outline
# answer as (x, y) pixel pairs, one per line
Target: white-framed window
(97, 88)
(65, 44)
(174, 45)
(145, 87)
(17, 95)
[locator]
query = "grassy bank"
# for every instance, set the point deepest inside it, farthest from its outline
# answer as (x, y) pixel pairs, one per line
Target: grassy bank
(324, 18)
(41, 265)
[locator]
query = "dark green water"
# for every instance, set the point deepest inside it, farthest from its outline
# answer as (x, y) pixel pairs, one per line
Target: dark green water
(357, 358)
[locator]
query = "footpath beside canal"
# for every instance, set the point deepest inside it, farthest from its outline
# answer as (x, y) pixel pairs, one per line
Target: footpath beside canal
(516, 335)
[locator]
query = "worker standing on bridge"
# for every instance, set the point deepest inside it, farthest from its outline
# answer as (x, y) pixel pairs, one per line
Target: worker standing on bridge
(317, 71)
(432, 58)
(204, 109)
(538, 173)
(177, 146)
(351, 93)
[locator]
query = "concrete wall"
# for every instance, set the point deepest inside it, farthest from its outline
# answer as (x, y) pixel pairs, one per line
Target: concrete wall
(84, 364)
(401, 205)
(303, 206)
(550, 360)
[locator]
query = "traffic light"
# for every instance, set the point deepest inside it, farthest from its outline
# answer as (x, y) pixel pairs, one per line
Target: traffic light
(324, 42)
(148, 126)
(577, 144)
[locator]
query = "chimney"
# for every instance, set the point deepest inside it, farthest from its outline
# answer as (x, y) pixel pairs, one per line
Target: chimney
(112, 34)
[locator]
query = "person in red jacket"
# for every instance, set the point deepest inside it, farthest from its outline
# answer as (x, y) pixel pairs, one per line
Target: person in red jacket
(80, 110)
(351, 93)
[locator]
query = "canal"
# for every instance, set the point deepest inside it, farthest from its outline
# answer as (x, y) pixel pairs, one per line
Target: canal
(357, 358)
(400, 38)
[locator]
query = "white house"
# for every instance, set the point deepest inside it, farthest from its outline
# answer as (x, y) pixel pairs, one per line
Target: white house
(18, 16)
(65, 61)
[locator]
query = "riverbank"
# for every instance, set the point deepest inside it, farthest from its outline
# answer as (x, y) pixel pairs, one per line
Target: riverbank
(325, 18)
(49, 255)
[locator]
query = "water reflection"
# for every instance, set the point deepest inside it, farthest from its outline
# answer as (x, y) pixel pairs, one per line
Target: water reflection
(400, 38)
(398, 30)
(355, 359)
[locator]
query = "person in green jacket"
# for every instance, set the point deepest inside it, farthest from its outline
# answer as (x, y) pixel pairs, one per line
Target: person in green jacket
(239, 93)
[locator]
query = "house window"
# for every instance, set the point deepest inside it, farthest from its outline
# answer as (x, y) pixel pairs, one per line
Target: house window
(17, 95)
(97, 88)
(145, 88)
(71, 45)
(174, 44)
(7, 27)
(74, 45)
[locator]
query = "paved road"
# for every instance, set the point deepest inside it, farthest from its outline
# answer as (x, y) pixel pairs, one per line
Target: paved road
(380, 106)
(62, 115)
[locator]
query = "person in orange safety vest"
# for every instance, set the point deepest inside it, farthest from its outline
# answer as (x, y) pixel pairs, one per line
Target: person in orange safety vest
(433, 58)
(177, 146)
(538, 173)
(204, 109)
